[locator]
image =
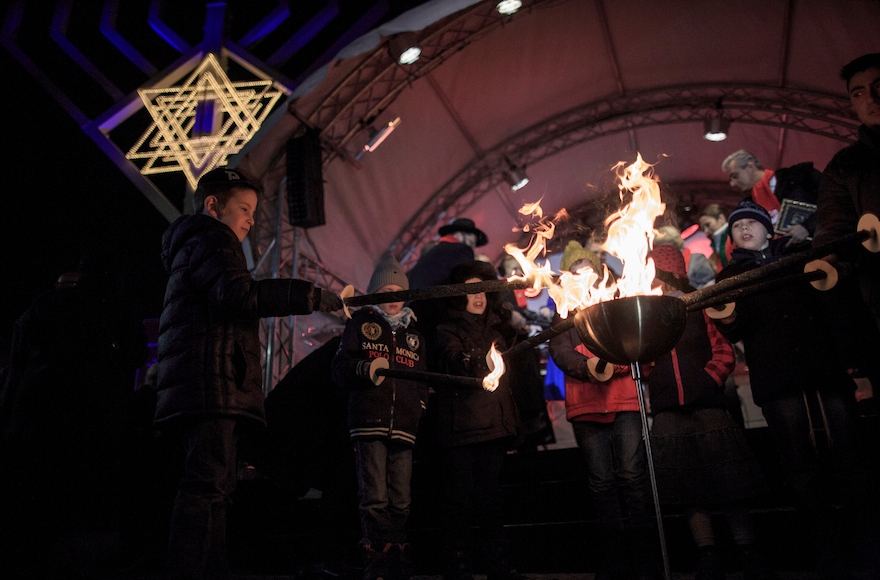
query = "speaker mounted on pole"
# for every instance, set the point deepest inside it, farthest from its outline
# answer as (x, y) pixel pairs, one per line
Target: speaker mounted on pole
(305, 182)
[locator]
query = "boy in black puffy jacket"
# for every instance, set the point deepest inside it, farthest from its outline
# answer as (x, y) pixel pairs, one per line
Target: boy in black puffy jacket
(209, 380)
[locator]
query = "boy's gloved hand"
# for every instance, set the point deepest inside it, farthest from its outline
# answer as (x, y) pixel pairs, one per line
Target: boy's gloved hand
(362, 369)
(477, 361)
(330, 302)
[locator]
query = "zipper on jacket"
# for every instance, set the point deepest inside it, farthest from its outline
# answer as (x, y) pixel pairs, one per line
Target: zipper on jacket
(393, 385)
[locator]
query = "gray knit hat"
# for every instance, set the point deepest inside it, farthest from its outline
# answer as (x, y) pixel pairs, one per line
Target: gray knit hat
(388, 271)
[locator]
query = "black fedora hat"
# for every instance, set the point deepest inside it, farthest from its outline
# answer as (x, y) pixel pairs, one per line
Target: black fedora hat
(465, 225)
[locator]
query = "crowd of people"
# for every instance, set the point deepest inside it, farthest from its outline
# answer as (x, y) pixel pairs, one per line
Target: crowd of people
(72, 426)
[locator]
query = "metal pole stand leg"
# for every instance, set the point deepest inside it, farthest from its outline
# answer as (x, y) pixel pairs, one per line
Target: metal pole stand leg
(637, 377)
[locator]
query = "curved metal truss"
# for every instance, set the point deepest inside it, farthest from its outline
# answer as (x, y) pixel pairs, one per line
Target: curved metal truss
(359, 98)
(816, 113)
(819, 114)
(374, 83)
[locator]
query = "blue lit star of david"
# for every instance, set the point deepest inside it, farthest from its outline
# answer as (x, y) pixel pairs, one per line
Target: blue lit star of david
(198, 124)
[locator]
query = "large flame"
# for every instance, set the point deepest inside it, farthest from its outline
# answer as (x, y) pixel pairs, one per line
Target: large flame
(496, 367)
(631, 230)
(630, 237)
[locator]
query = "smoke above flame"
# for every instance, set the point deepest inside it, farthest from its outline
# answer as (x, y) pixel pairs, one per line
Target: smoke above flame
(630, 238)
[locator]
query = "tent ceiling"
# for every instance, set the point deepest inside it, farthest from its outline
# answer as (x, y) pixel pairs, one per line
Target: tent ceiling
(566, 88)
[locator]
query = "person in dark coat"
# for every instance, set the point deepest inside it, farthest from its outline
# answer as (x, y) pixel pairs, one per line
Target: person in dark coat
(476, 426)
(796, 379)
(455, 246)
(851, 185)
(701, 456)
(383, 419)
(209, 378)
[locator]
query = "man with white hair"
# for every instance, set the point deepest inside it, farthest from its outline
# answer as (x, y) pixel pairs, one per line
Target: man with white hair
(770, 189)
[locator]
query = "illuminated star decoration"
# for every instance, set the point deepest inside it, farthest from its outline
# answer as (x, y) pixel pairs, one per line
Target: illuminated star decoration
(181, 138)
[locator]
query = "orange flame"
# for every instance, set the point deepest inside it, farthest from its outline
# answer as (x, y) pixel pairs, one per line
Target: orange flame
(496, 368)
(540, 276)
(631, 229)
(630, 237)
(533, 209)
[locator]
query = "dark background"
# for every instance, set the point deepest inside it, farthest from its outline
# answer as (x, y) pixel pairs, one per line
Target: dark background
(61, 195)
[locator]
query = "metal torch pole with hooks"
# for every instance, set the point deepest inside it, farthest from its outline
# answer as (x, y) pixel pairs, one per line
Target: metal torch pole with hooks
(636, 369)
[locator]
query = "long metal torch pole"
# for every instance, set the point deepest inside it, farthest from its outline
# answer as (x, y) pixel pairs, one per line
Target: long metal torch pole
(789, 262)
(424, 376)
(757, 288)
(636, 369)
(442, 291)
(562, 326)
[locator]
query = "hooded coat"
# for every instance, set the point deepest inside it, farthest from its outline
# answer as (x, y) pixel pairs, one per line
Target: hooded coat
(209, 344)
(470, 415)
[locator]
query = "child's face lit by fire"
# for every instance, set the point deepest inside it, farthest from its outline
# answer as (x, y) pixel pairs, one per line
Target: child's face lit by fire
(476, 303)
(749, 234)
(390, 308)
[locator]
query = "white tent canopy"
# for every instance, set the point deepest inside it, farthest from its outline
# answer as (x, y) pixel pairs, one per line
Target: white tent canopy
(566, 88)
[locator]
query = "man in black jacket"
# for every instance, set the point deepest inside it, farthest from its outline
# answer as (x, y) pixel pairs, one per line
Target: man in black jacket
(209, 380)
(851, 188)
(851, 181)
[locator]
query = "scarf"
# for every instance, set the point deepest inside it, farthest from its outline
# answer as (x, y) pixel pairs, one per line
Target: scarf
(764, 196)
(399, 320)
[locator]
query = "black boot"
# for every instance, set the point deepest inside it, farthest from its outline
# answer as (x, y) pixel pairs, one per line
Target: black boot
(498, 566)
(612, 559)
(643, 559)
(403, 563)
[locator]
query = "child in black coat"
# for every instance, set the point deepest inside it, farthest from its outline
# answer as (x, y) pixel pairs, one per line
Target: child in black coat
(796, 379)
(477, 426)
(701, 456)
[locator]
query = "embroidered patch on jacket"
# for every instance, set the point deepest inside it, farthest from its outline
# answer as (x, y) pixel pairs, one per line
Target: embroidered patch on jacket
(371, 330)
(412, 341)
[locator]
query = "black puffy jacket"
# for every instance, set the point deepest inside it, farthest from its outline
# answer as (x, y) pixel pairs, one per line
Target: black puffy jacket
(209, 343)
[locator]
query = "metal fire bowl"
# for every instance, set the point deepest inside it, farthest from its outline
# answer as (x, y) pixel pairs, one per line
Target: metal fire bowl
(632, 329)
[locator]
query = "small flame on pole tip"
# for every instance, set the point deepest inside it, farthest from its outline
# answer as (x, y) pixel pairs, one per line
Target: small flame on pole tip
(496, 367)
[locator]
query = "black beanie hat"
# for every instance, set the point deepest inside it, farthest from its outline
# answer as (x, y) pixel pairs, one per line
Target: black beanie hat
(750, 210)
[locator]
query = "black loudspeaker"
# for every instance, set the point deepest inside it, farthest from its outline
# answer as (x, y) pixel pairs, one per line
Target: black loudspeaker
(305, 184)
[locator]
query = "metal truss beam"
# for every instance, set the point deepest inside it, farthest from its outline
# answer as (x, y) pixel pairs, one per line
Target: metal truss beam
(377, 80)
(819, 114)
(816, 113)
